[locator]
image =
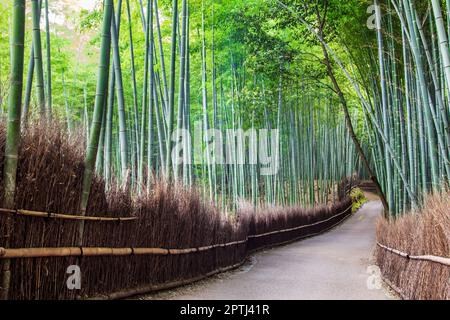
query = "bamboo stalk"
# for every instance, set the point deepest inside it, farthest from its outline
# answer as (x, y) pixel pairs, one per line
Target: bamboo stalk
(151, 103)
(49, 63)
(28, 88)
(182, 76)
(37, 50)
(148, 23)
(365, 105)
(171, 110)
(165, 96)
(13, 128)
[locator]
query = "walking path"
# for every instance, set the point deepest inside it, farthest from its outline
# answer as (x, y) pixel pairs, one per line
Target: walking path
(330, 266)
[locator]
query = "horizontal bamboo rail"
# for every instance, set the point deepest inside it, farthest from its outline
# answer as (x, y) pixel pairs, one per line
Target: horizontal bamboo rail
(39, 214)
(16, 253)
(310, 235)
(430, 258)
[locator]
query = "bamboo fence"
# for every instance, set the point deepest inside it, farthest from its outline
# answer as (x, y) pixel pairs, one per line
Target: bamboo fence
(150, 268)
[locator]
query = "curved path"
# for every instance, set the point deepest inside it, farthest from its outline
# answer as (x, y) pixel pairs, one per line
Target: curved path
(329, 266)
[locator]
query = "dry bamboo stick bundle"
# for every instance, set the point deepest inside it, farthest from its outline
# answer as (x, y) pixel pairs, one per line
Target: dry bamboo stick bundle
(278, 244)
(100, 251)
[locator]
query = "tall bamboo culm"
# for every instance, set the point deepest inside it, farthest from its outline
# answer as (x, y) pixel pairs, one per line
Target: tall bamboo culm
(102, 83)
(13, 127)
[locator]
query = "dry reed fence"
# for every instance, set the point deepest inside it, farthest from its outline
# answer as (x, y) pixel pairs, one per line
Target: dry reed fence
(418, 239)
(49, 180)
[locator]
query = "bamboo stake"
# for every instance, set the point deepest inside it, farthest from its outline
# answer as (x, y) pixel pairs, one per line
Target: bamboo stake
(120, 94)
(20, 253)
(133, 75)
(50, 215)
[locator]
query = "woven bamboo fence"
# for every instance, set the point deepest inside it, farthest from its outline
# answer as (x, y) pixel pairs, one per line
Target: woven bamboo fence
(131, 245)
(151, 252)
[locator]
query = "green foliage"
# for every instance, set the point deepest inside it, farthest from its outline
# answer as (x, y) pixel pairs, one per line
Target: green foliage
(358, 198)
(268, 67)
(255, 34)
(90, 20)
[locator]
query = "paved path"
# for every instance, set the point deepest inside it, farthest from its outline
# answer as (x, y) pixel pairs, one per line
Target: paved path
(329, 266)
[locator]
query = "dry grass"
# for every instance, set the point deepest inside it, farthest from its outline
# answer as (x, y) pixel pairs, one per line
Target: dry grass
(422, 233)
(49, 179)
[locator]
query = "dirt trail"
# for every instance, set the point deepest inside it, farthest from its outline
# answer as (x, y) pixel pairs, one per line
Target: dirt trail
(330, 266)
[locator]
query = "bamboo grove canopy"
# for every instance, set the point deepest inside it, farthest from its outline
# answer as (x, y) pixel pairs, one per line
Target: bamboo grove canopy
(327, 89)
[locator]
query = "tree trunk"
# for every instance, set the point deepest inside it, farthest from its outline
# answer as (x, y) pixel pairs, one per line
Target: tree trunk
(348, 119)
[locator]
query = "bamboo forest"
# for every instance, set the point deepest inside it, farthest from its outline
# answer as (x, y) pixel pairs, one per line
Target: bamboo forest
(147, 145)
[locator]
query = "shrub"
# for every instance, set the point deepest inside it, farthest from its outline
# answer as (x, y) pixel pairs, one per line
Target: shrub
(359, 199)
